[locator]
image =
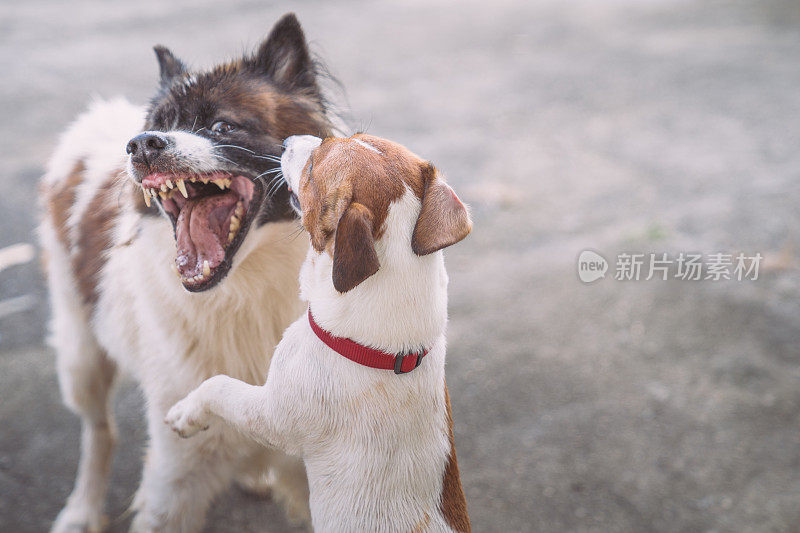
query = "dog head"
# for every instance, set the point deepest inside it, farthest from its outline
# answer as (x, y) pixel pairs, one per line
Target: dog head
(209, 158)
(344, 190)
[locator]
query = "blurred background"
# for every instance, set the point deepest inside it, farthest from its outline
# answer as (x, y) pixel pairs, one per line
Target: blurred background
(626, 125)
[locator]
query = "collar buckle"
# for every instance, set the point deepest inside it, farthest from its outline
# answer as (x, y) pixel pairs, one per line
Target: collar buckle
(398, 362)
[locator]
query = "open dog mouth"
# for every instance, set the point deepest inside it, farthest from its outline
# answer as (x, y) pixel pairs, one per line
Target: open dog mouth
(211, 214)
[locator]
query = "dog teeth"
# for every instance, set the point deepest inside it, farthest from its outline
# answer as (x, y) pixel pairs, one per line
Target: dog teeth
(167, 189)
(236, 221)
(175, 269)
(197, 278)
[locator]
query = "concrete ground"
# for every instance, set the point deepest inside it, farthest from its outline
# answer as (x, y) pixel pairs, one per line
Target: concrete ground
(658, 126)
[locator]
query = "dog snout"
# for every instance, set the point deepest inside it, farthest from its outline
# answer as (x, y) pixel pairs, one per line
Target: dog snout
(296, 151)
(305, 143)
(147, 147)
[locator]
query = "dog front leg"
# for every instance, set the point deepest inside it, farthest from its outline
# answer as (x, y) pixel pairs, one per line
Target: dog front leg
(247, 408)
(181, 477)
(87, 375)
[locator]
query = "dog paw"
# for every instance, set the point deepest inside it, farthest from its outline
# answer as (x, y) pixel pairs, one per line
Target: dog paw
(78, 519)
(187, 417)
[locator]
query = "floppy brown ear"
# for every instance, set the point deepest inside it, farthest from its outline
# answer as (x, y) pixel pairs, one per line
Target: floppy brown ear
(354, 255)
(443, 219)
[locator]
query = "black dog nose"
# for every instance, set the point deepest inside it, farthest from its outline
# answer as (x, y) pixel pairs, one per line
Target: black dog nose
(146, 147)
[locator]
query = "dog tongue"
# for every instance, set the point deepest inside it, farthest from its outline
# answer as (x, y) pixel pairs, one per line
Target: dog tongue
(201, 232)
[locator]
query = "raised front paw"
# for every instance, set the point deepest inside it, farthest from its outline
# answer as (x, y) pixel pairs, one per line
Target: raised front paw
(187, 417)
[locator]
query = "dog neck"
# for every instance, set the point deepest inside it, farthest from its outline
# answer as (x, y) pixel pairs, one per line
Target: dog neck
(401, 308)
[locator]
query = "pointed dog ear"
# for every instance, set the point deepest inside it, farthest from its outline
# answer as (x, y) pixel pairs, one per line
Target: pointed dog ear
(170, 66)
(443, 219)
(284, 57)
(354, 255)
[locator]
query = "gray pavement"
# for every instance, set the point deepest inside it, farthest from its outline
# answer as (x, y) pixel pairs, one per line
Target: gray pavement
(656, 126)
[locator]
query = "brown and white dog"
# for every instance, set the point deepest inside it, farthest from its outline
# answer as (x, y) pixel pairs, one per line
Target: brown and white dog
(206, 153)
(377, 444)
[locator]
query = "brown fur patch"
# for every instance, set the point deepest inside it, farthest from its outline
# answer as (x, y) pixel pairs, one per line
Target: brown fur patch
(59, 199)
(87, 253)
(453, 505)
(295, 115)
(94, 238)
(341, 171)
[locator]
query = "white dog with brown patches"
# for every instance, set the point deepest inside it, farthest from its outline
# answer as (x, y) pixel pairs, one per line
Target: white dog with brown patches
(204, 154)
(357, 384)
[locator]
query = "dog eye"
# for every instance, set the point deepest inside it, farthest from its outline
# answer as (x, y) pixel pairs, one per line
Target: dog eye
(221, 126)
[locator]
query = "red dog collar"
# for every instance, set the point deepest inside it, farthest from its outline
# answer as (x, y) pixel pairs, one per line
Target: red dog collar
(364, 355)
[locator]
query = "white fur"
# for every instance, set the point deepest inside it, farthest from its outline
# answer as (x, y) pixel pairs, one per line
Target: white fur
(367, 146)
(297, 150)
(168, 339)
(375, 444)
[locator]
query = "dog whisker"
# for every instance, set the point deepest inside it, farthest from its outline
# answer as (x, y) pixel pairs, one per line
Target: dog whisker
(275, 189)
(255, 154)
(234, 146)
(276, 179)
(276, 183)
(291, 237)
(268, 186)
(272, 171)
(232, 162)
(260, 177)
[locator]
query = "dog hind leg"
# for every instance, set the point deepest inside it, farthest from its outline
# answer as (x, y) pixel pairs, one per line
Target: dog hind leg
(290, 486)
(86, 376)
(280, 476)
